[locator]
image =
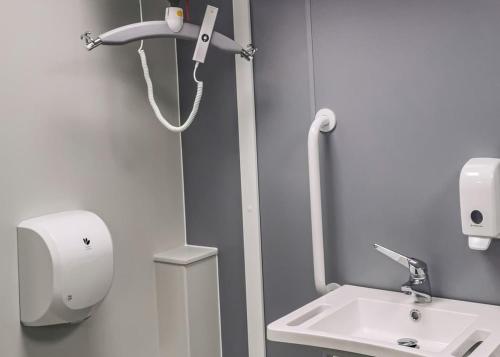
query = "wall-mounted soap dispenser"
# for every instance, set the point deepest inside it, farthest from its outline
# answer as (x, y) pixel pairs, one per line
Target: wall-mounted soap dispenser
(480, 201)
(65, 267)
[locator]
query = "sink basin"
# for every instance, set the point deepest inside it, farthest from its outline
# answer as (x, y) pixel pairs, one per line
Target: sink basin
(371, 322)
(375, 320)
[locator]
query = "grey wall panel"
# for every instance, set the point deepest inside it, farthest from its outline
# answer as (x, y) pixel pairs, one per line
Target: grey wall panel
(282, 103)
(77, 133)
(415, 86)
(211, 173)
(282, 112)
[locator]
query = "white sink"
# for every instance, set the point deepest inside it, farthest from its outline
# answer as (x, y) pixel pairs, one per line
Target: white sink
(387, 322)
(370, 321)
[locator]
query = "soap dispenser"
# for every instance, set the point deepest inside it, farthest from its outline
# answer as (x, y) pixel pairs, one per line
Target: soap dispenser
(480, 201)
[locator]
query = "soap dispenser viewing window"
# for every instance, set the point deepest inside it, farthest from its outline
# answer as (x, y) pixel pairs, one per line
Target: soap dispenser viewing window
(480, 201)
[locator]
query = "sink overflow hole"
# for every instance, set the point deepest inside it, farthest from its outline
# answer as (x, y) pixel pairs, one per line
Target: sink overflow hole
(408, 342)
(415, 315)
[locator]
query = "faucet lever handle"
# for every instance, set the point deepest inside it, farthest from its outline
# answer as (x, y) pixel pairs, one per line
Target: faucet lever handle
(401, 259)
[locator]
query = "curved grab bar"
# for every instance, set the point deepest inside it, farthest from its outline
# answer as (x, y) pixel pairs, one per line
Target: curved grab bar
(325, 122)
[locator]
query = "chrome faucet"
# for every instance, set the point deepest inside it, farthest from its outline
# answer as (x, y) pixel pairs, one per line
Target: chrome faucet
(419, 285)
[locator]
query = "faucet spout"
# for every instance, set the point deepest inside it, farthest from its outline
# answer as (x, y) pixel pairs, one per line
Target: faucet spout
(421, 293)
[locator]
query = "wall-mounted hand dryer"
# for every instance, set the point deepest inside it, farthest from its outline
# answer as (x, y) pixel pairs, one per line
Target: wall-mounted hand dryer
(480, 201)
(65, 267)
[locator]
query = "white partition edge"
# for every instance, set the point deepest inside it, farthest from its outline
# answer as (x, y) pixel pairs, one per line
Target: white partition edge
(249, 184)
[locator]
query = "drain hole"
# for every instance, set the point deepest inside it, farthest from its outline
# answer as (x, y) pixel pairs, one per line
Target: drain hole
(408, 342)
